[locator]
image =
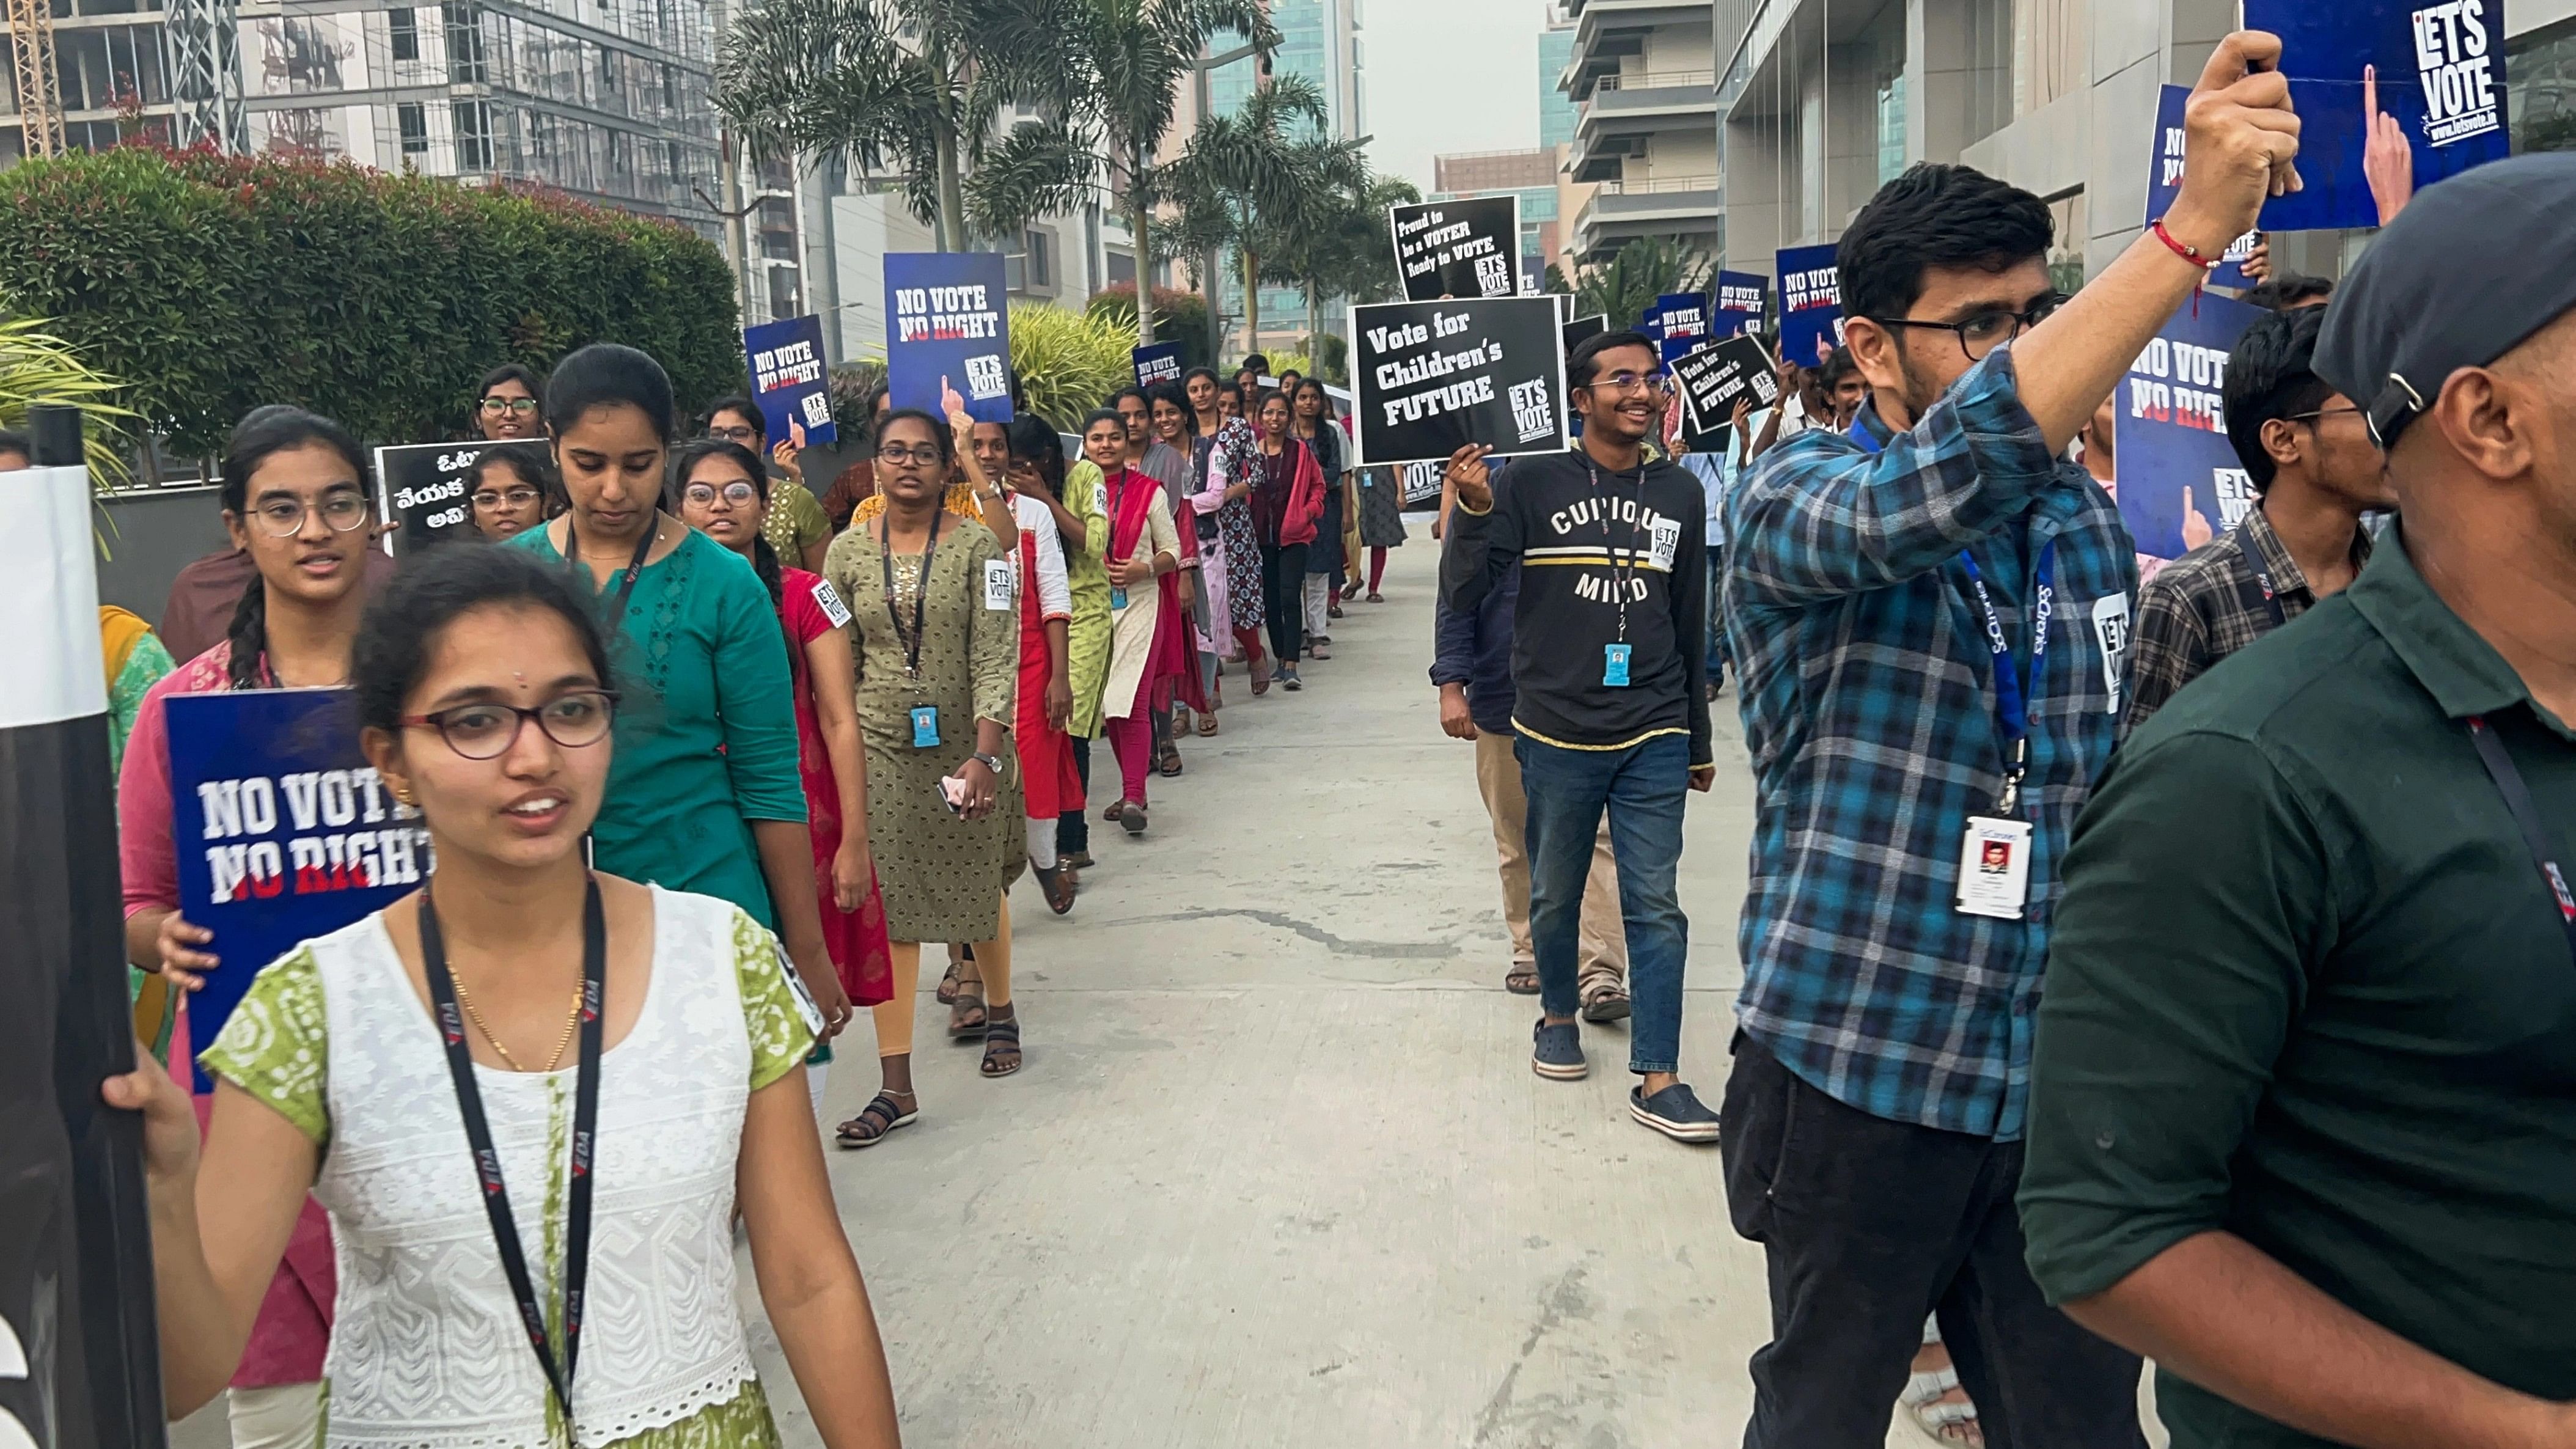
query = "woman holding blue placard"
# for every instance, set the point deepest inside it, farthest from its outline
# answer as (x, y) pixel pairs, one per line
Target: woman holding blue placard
(295, 501)
(936, 632)
(705, 796)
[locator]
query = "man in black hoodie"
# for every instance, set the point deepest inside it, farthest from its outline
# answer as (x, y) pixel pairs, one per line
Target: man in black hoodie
(1609, 659)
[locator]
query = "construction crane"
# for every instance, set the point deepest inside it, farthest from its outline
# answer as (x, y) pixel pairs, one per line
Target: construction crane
(40, 101)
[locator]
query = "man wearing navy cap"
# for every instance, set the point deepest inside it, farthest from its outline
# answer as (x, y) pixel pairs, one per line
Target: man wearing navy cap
(2303, 1109)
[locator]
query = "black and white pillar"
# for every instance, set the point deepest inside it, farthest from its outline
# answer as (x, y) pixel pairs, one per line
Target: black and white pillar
(79, 1364)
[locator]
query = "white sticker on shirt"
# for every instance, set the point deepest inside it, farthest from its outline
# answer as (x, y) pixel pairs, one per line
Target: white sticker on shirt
(828, 600)
(999, 582)
(2111, 630)
(1667, 542)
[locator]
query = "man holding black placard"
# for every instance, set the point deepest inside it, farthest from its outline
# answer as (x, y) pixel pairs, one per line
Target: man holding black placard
(1931, 615)
(1610, 713)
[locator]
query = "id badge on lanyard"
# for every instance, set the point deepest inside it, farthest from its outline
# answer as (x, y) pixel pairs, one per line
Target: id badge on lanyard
(1995, 848)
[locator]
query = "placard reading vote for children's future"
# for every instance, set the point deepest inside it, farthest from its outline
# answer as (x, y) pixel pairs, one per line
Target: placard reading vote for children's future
(1715, 376)
(787, 378)
(947, 325)
(284, 831)
(1460, 249)
(1432, 377)
(2181, 483)
(428, 488)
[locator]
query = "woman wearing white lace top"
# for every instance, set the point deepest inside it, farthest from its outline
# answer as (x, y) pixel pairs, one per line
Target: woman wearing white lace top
(620, 1059)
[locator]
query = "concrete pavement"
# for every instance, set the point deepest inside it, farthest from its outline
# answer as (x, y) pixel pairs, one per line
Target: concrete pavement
(1277, 1171)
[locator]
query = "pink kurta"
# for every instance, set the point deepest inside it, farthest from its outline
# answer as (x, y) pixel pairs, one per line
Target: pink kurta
(294, 1324)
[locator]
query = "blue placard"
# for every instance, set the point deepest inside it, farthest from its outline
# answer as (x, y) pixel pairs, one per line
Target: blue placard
(1811, 304)
(790, 378)
(2164, 183)
(1157, 364)
(948, 324)
(1737, 307)
(2170, 432)
(2441, 74)
(283, 832)
(1679, 324)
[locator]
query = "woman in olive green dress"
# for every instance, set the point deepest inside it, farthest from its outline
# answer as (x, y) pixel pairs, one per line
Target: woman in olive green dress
(936, 631)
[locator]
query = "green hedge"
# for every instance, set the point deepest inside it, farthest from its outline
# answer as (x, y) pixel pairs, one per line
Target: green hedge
(213, 284)
(1178, 317)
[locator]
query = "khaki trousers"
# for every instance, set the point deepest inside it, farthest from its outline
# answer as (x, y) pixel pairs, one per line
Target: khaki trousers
(1604, 962)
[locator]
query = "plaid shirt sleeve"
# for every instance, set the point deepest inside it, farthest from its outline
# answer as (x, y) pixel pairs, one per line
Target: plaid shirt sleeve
(1819, 519)
(2169, 646)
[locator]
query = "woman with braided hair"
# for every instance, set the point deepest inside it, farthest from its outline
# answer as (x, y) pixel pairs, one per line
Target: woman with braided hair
(295, 502)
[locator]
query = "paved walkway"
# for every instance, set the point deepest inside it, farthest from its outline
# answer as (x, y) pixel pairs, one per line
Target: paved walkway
(1277, 1172)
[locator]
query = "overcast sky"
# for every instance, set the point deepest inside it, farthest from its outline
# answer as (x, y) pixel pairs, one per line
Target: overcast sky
(1449, 75)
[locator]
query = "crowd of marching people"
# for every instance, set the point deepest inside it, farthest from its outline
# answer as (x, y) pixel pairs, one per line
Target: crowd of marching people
(690, 743)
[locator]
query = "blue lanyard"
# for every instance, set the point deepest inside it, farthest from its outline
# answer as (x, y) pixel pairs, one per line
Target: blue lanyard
(2017, 696)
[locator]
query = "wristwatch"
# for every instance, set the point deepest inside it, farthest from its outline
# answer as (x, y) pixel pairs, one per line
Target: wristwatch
(990, 763)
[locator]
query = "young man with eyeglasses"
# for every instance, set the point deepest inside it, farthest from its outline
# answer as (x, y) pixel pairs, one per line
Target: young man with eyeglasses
(2315, 472)
(1610, 712)
(1930, 614)
(509, 404)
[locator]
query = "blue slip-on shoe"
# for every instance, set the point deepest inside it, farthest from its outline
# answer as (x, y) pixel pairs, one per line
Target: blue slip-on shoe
(1557, 1053)
(1674, 1112)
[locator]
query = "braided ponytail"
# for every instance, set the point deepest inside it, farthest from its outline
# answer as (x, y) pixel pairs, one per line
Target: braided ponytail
(248, 636)
(764, 561)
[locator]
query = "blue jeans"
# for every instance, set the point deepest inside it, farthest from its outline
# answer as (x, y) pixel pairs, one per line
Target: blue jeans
(1643, 787)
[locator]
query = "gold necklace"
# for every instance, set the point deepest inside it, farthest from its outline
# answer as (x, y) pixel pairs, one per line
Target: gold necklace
(572, 1023)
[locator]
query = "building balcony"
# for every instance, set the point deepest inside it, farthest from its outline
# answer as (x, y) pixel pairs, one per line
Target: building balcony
(1626, 111)
(1620, 211)
(1606, 31)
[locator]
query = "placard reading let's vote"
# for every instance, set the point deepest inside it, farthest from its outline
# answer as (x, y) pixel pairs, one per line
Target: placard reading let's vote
(1432, 377)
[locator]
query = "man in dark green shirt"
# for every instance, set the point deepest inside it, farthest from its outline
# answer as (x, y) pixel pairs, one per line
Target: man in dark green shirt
(2303, 1120)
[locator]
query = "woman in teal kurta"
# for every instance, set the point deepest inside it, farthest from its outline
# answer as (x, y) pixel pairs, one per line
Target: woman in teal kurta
(703, 795)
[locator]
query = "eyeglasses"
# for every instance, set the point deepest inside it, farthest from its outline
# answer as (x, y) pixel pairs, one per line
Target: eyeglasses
(737, 494)
(2323, 413)
(1981, 334)
(513, 498)
(487, 731)
(899, 455)
(284, 517)
(735, 435)
(1652, 384)
(522, 406)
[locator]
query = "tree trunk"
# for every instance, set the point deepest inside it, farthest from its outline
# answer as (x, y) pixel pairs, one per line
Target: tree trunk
(1251, 301)
(1314, 320)
(952, 195)
(1138, 219)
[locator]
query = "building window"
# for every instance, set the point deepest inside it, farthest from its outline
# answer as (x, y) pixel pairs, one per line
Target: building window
(412, 119)
(473, 136)
(405, 32)
(2540, 89)
(464, 44)
(1029, 265)
(1891, 129)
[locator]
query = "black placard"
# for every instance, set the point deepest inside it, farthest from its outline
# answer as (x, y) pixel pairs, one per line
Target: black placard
(428, 488)
(1459, 249)
(1712, 378)
(1432, 377)
(1583, 327)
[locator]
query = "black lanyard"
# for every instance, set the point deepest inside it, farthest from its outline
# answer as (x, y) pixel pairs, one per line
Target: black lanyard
(2526, 818)
(2263, 580)
(634, 566)
(487, 1159)
(1619, 580)
(920, 595)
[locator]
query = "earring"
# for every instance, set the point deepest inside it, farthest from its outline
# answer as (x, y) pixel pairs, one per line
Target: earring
(402, 797)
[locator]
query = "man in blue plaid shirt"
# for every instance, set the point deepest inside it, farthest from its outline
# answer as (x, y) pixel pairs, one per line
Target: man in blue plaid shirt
(1930, 614)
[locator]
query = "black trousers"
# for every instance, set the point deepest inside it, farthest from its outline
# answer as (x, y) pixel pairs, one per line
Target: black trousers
(1868, 1225)
(1283, 598)
(1072, 828)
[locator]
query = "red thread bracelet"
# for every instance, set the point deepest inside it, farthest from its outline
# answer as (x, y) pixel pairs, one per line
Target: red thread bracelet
(2183, 249)
(2188, 253)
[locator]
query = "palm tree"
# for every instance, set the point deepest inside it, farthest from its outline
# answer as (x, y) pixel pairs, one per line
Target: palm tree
(920, 83)
(1249, 179)
(1643, 269)
(1348, 252)
(1118, 68)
